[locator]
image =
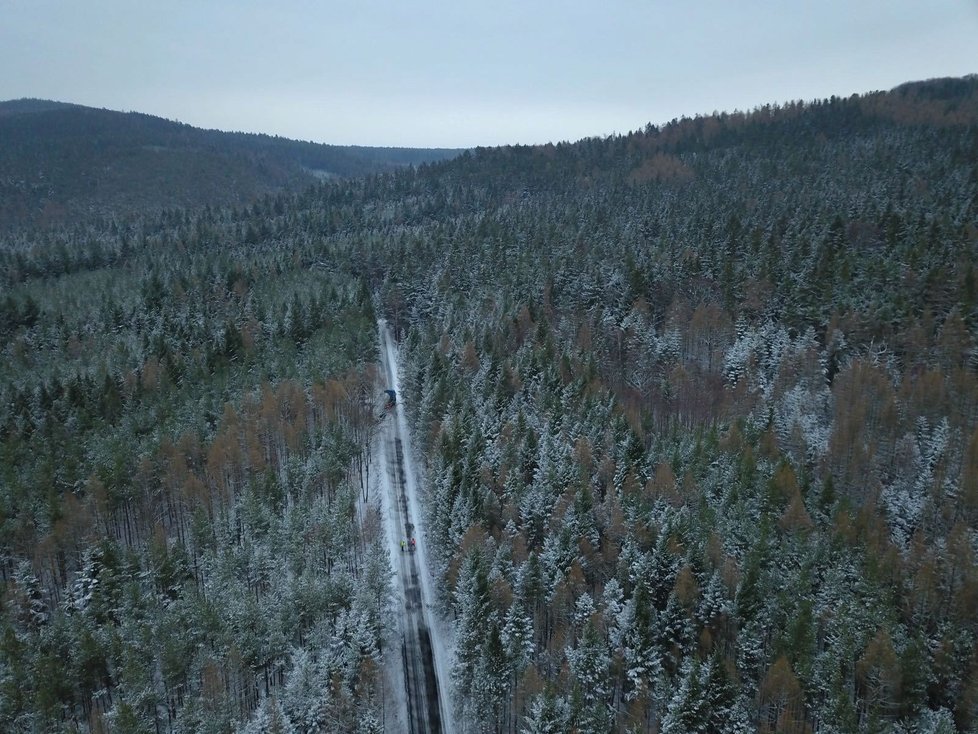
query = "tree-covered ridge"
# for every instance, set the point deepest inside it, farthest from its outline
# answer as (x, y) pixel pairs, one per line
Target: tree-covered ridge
(62, 162)
(697, 408)
(702, 448)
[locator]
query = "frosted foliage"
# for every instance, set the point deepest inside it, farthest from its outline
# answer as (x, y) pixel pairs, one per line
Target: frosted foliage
(589, 662)
(917, 457)
(936, 722)
(739, 356)
(269, 719)
(670, 345)
(756, 356)
(900, 498)
(642, 341)
(535, 508)
(613, 601)
(369, 723)
(517, 637)
(583, 609)
(643, 662)
(713, 603)
(85, 584)
(302, 702)
(686, 712)
(554, 467)
(547, 716)
(36, 611)
(803, 412)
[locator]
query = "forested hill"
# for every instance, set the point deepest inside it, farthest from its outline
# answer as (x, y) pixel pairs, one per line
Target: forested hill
(61, 162)
(697, 408)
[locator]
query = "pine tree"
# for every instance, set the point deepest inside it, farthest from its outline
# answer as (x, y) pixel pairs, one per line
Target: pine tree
(687, 711)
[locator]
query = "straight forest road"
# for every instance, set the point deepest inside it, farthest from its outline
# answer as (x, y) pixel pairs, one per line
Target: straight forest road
(424, 691)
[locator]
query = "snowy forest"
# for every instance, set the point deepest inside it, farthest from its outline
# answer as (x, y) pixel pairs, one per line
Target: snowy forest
(696, 409)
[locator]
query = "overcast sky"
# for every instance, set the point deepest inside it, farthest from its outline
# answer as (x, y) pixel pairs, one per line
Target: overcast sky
(458, 73)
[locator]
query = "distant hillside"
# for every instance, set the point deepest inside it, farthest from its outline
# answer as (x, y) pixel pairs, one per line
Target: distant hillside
(59, 162)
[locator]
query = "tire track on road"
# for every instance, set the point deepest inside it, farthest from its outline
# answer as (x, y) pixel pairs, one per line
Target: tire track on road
(423, 691)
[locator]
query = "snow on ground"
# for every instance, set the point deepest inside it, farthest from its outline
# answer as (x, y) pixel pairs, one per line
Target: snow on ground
(396, 716)
(442, 637)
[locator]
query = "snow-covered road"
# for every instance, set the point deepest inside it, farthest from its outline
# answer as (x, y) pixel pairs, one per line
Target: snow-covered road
(424, 655)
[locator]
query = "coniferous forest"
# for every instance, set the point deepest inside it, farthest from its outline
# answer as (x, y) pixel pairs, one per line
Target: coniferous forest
(696, 408)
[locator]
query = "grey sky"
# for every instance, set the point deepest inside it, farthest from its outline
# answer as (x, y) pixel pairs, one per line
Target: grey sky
(462, 73)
